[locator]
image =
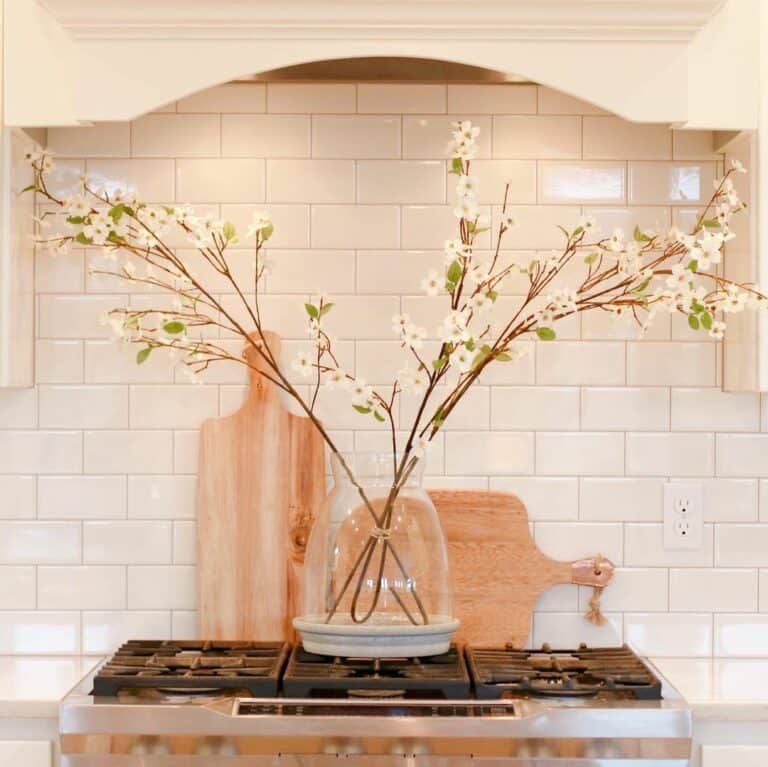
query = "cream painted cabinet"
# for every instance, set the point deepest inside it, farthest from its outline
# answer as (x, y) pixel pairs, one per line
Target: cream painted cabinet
(25, 753)
(734, 756)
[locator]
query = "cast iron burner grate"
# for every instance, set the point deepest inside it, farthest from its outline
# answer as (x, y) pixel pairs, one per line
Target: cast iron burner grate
(194, 666)
(439, 676)
(604, 671)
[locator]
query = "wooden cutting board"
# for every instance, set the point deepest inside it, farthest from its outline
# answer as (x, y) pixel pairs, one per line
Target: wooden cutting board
(261, 478)
(498, 572)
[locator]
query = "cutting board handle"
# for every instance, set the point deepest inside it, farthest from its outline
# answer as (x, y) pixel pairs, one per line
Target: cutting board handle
(592, 571)
(258, 383)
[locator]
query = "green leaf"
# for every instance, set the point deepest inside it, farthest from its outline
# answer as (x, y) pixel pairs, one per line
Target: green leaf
(117, 211)
(378, 416)
(75, 219)
(642, 286)
(450, 286)
(454, 272)
(591, 258)
(640, 236)
(114, 237)
(577, 231)
(457, 166)
(564, 231)
(312, 311)
(132, 322)
(325, 309)
(492, 295)
(693, 266)
(711, 223)
(143, 355)
(470, 345)
(503, 357)
(174, 327)
(480, 229)
(83, 240)
(362, 409)
(30, 188)
(440, 363)
(229, 231)
(698, 308)
(546, 334)
(168, 210)
(693, 321)
(267, 232)
(706, 320)
(438, 420)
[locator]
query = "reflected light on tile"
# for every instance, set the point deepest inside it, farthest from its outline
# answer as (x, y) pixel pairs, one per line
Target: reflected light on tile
(685, 182)
(564, 183)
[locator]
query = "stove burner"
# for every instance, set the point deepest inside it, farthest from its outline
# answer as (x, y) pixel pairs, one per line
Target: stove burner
(439, 676)
(608, 672)
(194, 666)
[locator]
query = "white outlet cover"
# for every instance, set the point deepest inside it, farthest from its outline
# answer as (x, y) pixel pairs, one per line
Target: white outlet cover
(683, 515)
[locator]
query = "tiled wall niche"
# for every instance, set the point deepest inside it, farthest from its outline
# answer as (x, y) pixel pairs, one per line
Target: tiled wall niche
(97, 463)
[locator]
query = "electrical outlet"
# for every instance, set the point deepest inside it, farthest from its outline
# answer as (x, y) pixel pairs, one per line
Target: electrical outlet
(683, 515)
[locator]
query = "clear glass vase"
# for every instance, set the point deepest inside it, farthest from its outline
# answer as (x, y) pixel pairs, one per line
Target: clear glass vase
(376, 577)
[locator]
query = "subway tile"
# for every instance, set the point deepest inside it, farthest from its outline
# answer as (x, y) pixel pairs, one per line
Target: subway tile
(305, 271)
(717, 591)
(400, 181)
(558, 599)
(537, 137)
(228, 98)
(570, 630)
(520, 373)
(380, 440)
(741, 545)
(32, 543)
(152, 179)
(545, 498)
(605, 326)
(311, 98)
(388, 98)
(357, 137)
(741, 636)
(81, 588)
(184, 624)
(360, 226)
(427, 227)
(632, 589)
(48, 452)
(185, 543)
(670, 635)
(185, 451)
(108, 139)
(89, 407)
(730, 500)
(81, 497)
(18, 408)
(564, 363)
(647, 217)
(39, 632)
(19, 587)
(175, 135)
(763, 591)
(589, 183)
(673, 183)
(455, 483)
(570, 454)
(537, 226)
(317, 181)
(505, 98)
(535, 408)
(127, 542)
(571, 540)
(128, 452)
(107, 362)
(161, 497)
(493, 176)
(394, 271)
(220, 179)
(683, 455)
(612, 138)
(621, 500)
(74, 317)
(427, 137)
(284, 315)
(265, 136)
(105, 631)
(58, 361)
(18, 497)
(714, 410)
(471, 413)
(625, 409)
(172, 407)
(671, 364)
(644, 547)
(491, 453)
(362, 317)
(59, 273)
(742, 455)
(556, 102)
(291, 223)
(162, 588)
(693, 145)
(65, 178)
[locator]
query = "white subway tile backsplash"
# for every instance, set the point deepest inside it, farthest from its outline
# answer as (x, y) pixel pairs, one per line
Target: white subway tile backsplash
(683, 455)
(105, 631)
(109, 362)
(644, 547)
(569, 540)
(172, 407)
(669, 635)
(570, 630)
(722, 591)
(322, 181)
(18, 408)
(81, 587)
(489, 453)
(625, 409)
(58, 362)
(81, 497)
(121, 452)
(152, 179)
(427, 227)
(100, 140)
(185, 544)
(162, 497)
(302, 271)
(671, 364)
(162, 588)
(220, 179)
(291, 223)
(388, 98)
(562, 363)
(742, 455)
(129, 542)
(348, 226)
(401, 181)
(731, 500)
(24, 543)
(590, 183)
(265, 136)
(90, 407)
(424, 136)
(492, 99)
(714, 410)
(672, 183)
(19, 587)
(611, 138)
(60, 273)
(741, 545)
(311, 98)
(39, 632)
(356, 137)
(51, 452)
(741, 636)
(574, 454)
(559, 103)
(382, 271)
(544, 408)
(230, 98)
(620, 500)
(493, 176)
(632, 589)
(174, 135)
(550, 498)
(537, 137)
(74, 316)
(18, 497)
(693, 145)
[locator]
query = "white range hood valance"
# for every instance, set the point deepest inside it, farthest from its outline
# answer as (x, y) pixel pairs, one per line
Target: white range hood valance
(673, 61)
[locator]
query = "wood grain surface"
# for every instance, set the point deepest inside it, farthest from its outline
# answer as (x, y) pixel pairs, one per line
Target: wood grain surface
(261, 479)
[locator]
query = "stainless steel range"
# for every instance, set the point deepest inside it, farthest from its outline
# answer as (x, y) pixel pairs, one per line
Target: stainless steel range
(249, 704)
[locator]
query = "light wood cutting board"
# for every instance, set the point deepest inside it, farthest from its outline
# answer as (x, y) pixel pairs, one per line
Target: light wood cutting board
(261, 478)
(498, 572)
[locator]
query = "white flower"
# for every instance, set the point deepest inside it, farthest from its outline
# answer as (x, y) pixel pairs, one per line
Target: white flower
(421, 447)
(477, 274)
(337, 378)
(464, 150)
(454, 249)
(738, 167)
(467, 209)
(711, 249)
(413, 336)
(734, 301)
(587, 222)
(302, 364)
(616, 240)
(680, 277)
(77, 207)
(191, 375)
(146, 239)
(400, 322)
(362, 394)
(260, 223)
(508, 221)
(412, 380)
(33, 155)
(467, 186)
(461, 359)
(465, 131)
(562, 300)
(182, 213)
(481, 303)
(47, 164)
(717, 331)
(154, 217)
(431, 284)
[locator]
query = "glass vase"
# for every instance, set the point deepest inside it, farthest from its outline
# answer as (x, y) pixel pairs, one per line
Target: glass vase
(376, 577)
